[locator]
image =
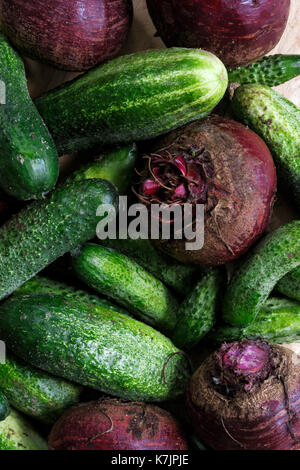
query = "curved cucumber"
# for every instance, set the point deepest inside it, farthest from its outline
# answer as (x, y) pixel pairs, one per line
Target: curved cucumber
(134, 97)
(272, 70)
(16, 433)
(277, 322)
(179, 277)
(289, 285)
(28, 157)
(4, 406)
(116, 166)
(122, 279)
(35, 392)
(276, 255)
(277, 121)
(93, 346)
(197, 312)
(45, 230)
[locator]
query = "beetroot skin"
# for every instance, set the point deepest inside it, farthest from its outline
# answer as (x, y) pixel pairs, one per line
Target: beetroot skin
(223, 165)
(112, 424)
(238, 32)
(68, 34)
(246, 396)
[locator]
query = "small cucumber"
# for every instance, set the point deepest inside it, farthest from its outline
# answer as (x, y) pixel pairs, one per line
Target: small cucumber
(133, 97)
(116, 166)
(93, 346)
(35, 392)
(272, 70)
(277, 121)
(276, 255)
(4, 406)
(277, 322)
(45, 230)
(16, 433)
(179, 277)
(289, 285)
(126, 282)
(197, 312)
(28, 157)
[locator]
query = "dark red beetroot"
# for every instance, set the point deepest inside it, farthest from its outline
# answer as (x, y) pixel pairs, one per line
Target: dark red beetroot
(223, 165)
(247, 397)
(238, 32)
(69, 34)
(112, 424)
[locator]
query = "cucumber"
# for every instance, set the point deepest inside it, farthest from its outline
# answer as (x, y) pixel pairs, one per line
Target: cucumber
(277, 121)
(272, 70)
(35, 392)
(28, 157)
(276, 255)
(45, 230)
(289, 285)
(16, 433)
(4, 406)
(198, 311)
(116, 166)
(133, 97)
(43, 285)
(93, 346)
(277, 322)
(122, 279)
(179, 277)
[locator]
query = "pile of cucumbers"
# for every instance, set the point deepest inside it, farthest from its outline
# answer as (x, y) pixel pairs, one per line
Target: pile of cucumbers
(124, 322)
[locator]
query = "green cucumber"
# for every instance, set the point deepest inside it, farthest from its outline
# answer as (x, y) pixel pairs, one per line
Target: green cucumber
(198, 311)
(28, 157)
(43, 285)
(127, 283)
(273, 257)
(45, 230)
(93, 346)
(133, 97)
(179, 277)
(116, 166)
(289, 285)
(277, 121)
(16, 433)
(35, 392)
(4, 406)
(277, 322)
(272, 70)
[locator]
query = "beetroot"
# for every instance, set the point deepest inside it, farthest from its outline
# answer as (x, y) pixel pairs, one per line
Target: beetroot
(246, 396)
(238, 32)
(223, 165)
(112, 424)
(69, 34)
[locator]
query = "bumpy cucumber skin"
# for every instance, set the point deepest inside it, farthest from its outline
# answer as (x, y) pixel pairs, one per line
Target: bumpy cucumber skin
(43, 285)
(116, 166)
(179, 277)
(93, 346)
(276, 255)
(289, 285)
(277, 322)
(122, 279)
(277, 121)
(28, 157)
(134, 97)
(272, 70)
(197, 312)
(16, 433)
(35, 392)
(45, 230)
(4, 406)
